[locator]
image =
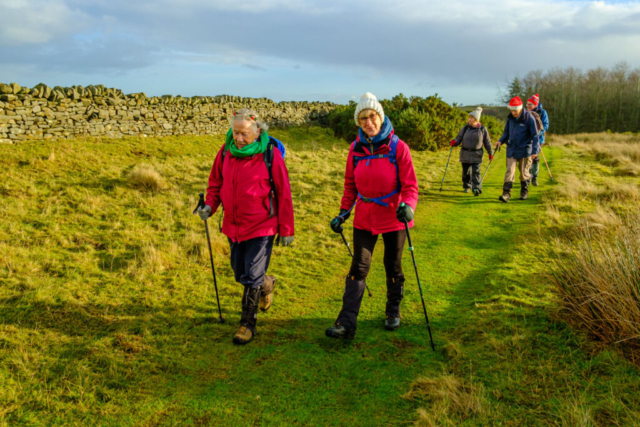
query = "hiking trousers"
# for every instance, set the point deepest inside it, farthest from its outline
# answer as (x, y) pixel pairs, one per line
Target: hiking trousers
(470, 175)
(363, 245)
(250, 260)
(523, 166)
(535, 167)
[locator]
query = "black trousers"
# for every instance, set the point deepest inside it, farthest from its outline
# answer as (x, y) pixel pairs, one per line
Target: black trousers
(471, 175)
(364, 244)
(250, 260)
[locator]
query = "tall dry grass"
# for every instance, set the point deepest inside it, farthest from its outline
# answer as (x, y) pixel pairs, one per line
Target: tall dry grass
(621, 151)
(146, 177)
(599, 281)
(449, 398)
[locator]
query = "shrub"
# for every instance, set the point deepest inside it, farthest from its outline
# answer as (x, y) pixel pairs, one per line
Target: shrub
(423, 123)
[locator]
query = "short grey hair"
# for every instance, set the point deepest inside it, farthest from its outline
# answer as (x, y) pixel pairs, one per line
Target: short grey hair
(249, 115)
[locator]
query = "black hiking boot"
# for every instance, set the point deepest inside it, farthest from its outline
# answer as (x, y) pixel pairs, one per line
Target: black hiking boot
(391, 323)
(466, 190)
(395, 293)
(534, 181)
(506, 192)
(249, 317)
(477, 191)
(340, 332)
(524, 190)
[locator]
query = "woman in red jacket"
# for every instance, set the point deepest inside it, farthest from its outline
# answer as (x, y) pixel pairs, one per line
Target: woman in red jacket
(255, 209)
(378, 178)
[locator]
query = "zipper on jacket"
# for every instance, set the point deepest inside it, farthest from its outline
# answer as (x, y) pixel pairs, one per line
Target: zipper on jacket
(235, 203)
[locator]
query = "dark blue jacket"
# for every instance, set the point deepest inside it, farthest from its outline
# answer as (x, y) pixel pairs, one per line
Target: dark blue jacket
(521, 136)
(545, 121)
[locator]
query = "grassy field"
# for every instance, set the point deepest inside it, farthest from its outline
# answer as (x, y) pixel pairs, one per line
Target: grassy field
(107, 306)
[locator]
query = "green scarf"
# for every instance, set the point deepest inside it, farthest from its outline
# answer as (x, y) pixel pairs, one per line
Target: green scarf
(259, 146)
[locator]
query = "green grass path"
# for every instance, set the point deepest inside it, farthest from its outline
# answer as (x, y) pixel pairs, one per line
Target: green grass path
(492, 316)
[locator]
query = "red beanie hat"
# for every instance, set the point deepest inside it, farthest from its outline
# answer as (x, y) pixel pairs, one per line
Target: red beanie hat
(515, 103)
(535, 99)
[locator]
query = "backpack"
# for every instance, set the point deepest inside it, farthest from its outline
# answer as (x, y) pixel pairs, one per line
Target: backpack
(538, 120)
(391, 156)
(268, 161)
(482, 131)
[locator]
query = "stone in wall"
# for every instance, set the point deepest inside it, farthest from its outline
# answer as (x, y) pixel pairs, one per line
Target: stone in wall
(42, 112)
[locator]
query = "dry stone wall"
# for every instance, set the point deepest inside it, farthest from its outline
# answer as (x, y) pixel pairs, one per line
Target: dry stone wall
(42, 112)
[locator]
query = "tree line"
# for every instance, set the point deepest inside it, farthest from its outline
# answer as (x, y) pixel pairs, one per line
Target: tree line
(597, 100)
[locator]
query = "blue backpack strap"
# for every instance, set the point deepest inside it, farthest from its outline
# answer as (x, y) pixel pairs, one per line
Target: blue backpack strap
(391, 156)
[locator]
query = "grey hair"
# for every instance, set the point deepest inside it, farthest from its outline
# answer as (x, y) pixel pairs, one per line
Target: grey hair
(250, 115)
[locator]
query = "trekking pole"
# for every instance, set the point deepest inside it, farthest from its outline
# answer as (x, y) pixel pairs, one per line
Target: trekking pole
(344, 239)
(213, 269)
(488, 166)
(415, 267)
(445, 169)
(545, 162)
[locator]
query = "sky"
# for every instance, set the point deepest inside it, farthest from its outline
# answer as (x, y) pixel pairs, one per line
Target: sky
(314, 50)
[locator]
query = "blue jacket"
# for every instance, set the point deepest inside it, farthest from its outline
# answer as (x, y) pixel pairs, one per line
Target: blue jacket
(521, 136)
(545, 121)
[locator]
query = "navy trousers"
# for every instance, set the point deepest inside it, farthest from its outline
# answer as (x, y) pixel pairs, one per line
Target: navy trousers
(250, 260)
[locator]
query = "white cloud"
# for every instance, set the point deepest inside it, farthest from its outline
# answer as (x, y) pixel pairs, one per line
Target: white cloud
(37, 21)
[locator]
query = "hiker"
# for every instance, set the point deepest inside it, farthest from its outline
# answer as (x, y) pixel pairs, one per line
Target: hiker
(521, 138)
(379, 176)
(257, 205)
(472, 137)
(534, 106)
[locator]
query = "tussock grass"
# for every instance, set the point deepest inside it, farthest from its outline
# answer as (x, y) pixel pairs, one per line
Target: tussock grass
(145, 177)
(599, 280)
(450, 400)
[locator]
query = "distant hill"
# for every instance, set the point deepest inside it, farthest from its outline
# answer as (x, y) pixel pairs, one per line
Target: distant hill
(490, 110)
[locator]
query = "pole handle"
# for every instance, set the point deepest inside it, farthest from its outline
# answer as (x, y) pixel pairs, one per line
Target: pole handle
(200, 203)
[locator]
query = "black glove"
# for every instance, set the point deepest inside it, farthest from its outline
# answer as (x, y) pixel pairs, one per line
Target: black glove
(336, 223)
(404, 213)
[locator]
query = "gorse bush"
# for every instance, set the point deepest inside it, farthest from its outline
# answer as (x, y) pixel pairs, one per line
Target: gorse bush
(423, 123)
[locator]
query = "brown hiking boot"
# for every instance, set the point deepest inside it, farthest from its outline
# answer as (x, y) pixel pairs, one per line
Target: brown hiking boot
(243, 336)
(266, 296)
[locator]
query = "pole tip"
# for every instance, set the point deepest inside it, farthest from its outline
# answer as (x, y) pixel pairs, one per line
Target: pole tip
(221, 320)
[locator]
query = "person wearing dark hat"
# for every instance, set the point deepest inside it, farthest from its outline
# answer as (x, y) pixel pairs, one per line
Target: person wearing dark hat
(535, 106)
(521, 138)
(472, 137)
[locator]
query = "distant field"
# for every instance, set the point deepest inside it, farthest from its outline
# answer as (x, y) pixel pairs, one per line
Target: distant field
(107, 305)
(495, 111)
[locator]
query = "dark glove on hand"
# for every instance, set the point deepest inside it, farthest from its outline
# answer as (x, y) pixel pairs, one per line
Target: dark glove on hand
(336, 223)
(404, 213)
(286, 240)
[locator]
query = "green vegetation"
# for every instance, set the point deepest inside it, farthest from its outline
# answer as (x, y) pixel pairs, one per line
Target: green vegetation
(423, 123)
(598, 267)
(596, 100)
(107, 306)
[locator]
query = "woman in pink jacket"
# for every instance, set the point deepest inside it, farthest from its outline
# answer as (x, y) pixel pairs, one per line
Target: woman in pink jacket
(378, 178)
(249, 178)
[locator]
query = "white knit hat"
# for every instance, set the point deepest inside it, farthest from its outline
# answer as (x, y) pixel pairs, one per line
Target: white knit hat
(476, 113)
(368, 102)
